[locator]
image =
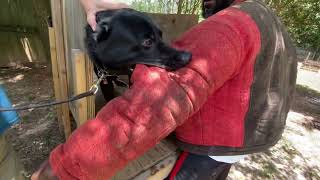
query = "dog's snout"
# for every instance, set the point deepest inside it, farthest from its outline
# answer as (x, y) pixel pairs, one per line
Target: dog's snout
(184, 57)
(180, 60)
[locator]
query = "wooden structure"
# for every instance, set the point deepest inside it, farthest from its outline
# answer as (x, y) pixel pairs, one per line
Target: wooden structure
(72, 70)
(22, 37)
(73, 74)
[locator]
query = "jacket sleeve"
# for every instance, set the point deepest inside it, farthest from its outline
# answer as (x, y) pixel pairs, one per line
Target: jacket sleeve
(158, 101)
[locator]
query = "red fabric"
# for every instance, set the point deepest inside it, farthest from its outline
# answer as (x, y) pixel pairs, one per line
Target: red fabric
(230, 102)
(178, 165)
(159, 101)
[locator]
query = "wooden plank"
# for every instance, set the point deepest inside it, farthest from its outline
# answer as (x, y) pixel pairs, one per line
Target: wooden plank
(174, 25)
(164, 169)
(74, 20)
(82, 77)
(151, 160)
(61, 61)
(67, 48)
(90, 81)
(160, 170)
(80, 84)
(55, 74)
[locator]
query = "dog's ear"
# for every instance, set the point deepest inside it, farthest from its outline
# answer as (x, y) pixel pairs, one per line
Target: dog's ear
(101, 33)
(103, 29)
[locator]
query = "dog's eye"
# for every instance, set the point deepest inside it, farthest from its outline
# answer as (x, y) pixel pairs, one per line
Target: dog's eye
(147, 43)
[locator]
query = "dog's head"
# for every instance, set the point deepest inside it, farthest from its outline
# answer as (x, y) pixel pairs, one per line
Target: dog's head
(126, 37)
(210, 7)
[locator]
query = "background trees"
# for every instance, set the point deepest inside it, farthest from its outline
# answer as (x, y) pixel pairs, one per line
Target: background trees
(301, 17)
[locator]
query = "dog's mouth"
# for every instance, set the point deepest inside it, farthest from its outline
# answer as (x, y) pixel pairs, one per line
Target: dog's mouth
(167, 57)
(161, 55)
(169, 63)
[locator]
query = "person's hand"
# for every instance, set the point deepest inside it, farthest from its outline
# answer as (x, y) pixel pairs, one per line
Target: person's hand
(44, 173)
(91, 7)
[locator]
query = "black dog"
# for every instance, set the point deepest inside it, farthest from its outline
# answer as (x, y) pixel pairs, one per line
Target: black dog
(127, 37)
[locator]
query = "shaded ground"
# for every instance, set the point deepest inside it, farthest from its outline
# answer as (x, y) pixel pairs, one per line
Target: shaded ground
(310, 77)
(38, 133)
(294, 157)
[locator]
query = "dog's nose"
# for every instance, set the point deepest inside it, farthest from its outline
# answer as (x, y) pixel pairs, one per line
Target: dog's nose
(184, 57)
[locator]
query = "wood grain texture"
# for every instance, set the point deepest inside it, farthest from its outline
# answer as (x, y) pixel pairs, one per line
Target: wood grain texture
(57, 20)
(80, 85)
(55, 75)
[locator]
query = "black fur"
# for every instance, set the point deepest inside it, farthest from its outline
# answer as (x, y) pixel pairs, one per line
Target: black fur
(126, 37)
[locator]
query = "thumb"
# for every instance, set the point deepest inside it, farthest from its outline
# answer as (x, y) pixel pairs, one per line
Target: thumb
(91, 19)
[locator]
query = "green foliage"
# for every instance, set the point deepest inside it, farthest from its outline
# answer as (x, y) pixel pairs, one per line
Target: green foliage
(168, 6)
(306, 91)
(302, 18)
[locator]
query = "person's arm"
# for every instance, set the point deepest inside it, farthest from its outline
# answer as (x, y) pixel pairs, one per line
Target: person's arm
(159, 101)
(91, 7)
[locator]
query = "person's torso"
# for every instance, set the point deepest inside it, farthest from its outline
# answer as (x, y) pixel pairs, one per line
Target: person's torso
(248, 113)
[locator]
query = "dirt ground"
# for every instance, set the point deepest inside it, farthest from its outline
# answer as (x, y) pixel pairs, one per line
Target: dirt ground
(294, 157)
(38, 133)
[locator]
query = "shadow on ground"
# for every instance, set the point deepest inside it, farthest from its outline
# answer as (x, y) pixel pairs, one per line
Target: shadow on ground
(296, 156)
(38, 132)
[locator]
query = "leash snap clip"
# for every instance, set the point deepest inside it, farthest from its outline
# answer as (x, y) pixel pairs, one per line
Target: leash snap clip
(95, 87)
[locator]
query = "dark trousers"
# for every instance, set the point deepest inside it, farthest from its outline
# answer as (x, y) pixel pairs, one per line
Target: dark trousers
(198, 167)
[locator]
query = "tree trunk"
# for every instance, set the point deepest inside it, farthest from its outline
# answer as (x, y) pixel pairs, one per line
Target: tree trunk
(180, 6)
(307, 58)
(186, 7)
(195, 6)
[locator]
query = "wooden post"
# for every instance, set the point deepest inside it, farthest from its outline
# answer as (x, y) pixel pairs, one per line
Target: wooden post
(82, 73)
(55, 74)
(57, 21)
(80, 85)
(90, 80)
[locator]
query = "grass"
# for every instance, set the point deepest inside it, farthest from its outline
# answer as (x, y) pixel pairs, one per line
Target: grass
(31, 98)
(306, 91)
(269, 169)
